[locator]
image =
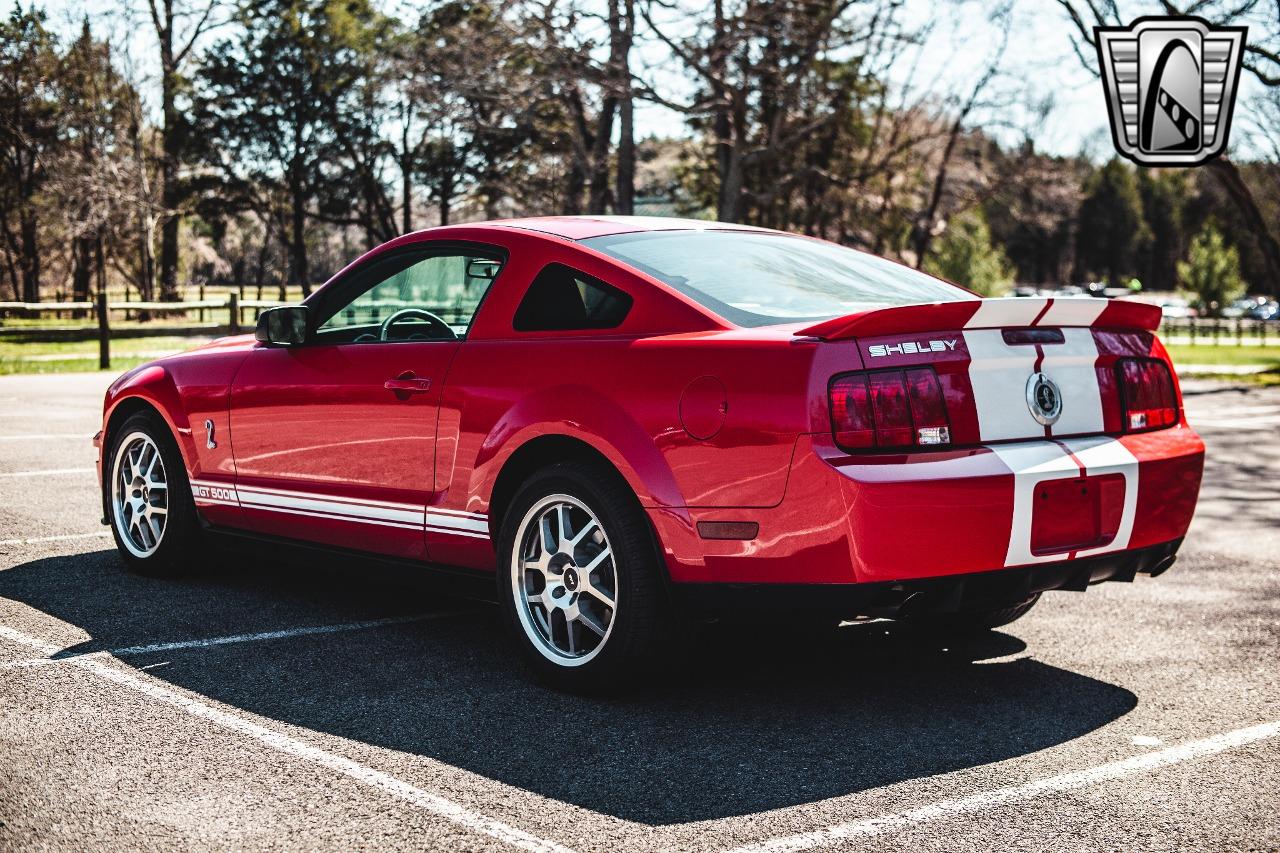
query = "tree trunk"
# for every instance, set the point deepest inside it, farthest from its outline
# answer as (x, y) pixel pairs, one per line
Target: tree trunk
(1233, 182)
(446, 198)
(146, 225)
(924, 222)
(574, 183)
(169, 196)
(82, 268)
(598, 199)
(721, 124)
(624, 201)
(30, 258)
(298, 242)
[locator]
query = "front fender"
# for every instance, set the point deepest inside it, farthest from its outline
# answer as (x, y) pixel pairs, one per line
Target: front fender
(152, 384)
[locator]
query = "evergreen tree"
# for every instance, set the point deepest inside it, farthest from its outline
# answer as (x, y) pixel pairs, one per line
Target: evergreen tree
(966, 256)
(1112, 231)
(1211, 272)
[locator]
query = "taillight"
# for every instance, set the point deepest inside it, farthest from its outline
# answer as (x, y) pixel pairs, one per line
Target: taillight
(888, 408)
(1147, 400)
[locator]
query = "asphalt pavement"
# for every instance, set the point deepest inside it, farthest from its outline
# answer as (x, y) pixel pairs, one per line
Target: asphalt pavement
(265, 704)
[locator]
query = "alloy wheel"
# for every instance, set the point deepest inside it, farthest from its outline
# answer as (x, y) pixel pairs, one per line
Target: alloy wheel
(564, 579)
(140, 494)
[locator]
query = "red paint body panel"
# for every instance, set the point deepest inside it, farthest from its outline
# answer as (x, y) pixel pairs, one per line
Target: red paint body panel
(705, 421)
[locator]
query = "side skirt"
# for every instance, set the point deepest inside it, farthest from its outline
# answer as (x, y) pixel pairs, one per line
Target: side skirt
(438, 578)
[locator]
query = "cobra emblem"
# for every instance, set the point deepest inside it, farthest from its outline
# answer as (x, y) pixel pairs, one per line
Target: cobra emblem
(1044, 399)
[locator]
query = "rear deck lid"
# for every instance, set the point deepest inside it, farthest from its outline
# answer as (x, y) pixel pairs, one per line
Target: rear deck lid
(1010, 369)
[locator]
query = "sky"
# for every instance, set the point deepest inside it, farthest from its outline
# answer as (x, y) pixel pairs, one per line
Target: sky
(1039, 64)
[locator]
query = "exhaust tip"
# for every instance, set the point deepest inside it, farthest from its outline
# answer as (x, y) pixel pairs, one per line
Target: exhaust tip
(1163, 566)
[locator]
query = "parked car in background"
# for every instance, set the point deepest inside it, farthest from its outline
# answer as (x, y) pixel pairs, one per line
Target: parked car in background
(1264, 310)
(1175, 307)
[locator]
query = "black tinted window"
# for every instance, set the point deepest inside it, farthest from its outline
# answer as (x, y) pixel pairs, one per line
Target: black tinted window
(561, 298)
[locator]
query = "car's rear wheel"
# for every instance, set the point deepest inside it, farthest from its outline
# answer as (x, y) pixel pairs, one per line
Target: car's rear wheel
(579, 579)
(149, 501)
(978, 619)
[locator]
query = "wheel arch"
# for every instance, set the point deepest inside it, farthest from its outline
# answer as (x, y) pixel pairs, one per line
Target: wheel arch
(122, 409)
(548, 449)
(533, 455)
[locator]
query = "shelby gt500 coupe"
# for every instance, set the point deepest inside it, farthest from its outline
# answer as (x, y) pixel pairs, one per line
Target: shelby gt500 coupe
(628, 419)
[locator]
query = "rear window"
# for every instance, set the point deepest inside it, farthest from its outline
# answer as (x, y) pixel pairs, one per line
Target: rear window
(754, 279)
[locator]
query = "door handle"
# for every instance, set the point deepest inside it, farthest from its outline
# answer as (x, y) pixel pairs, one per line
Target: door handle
(407, 384)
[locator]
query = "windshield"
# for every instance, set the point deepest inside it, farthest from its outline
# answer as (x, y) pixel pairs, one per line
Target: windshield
(754, 279)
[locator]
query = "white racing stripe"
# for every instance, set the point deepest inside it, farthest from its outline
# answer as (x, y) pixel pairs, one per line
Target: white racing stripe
(1006, 312)
(999, 372)
(406, 516)
(985, 800)
(426, 800)
(1073, 311)
(1034, 462)
(1071, 365)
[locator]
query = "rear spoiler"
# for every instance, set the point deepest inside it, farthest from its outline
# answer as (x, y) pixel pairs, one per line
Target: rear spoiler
(990, 313)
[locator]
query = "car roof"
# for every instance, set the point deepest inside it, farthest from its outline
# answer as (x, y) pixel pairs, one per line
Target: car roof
(585, 227)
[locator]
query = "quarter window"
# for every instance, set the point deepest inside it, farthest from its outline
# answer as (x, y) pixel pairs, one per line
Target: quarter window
(563, 299)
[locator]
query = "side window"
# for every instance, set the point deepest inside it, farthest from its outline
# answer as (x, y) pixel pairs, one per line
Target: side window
(561, 299)
(412, 296)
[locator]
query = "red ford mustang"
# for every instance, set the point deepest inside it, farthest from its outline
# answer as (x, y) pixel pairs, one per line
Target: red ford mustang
(628, 419)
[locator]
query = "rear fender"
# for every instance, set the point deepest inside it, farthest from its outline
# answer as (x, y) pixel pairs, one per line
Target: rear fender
(578, 412)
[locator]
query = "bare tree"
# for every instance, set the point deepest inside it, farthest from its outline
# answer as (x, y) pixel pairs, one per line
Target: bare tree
(1261, 58)
(178, 28)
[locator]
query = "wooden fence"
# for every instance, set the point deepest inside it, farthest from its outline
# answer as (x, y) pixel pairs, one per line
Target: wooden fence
(233, 308)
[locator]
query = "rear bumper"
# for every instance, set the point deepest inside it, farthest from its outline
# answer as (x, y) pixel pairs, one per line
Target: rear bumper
(937, 595)
(892, 518)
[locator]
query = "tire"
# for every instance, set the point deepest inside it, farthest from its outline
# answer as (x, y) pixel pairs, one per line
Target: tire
(165, 540)
(977, 620)
(557, 611)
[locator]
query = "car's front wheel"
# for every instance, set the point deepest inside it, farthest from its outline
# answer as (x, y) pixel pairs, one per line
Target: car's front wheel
(149, 500)
(579, 579)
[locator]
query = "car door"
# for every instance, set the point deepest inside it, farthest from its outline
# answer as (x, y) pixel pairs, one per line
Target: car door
(334, 438)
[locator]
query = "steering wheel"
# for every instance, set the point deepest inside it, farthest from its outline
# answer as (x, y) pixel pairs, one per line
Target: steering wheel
(421, 313)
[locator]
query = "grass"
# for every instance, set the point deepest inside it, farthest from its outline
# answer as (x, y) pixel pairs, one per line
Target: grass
(1207, 357)
(1224, 354)
(80, 356)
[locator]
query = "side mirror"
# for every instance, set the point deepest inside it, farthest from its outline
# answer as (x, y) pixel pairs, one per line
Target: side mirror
(285, 325)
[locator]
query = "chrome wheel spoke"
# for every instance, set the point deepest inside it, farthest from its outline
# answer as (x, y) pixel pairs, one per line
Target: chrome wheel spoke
(590, 621)
(562, 520)
(587, 529)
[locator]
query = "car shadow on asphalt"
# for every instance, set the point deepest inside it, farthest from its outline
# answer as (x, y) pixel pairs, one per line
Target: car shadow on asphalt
(744, 722)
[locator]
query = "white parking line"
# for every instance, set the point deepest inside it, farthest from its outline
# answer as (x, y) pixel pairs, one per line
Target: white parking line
(208, 642)
(47, 472)
(63, 537)
(84, 436)
(423, 799)
(1016, 793)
